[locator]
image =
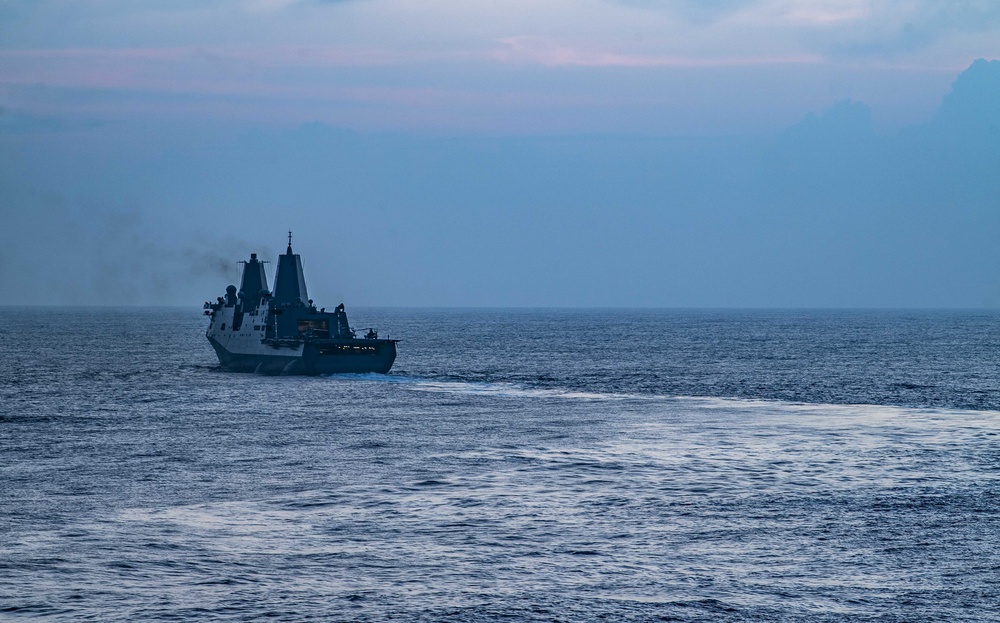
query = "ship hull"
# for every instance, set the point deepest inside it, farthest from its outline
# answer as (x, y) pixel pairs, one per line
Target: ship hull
(312, 358)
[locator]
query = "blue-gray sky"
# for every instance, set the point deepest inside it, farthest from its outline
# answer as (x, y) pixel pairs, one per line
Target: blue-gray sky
(835, 153)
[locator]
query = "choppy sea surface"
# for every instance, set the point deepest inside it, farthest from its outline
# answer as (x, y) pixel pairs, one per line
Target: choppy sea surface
(515, 466)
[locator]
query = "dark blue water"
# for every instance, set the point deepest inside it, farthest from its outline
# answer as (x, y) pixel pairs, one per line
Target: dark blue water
(515, 466)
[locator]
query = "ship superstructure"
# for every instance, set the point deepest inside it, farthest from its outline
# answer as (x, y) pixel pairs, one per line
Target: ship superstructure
(255, 330)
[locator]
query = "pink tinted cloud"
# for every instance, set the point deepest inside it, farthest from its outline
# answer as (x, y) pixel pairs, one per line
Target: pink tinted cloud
(241, 71)
(540, 51)
(525, 50)
(270, 56)
(256, 71)
(247, 81)
(258, 85)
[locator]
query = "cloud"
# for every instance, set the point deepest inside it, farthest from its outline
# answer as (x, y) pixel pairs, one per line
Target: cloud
(632, 33)
(18, 122)
(947, 160)
(696, 12)
(537, 50)
(890, 29)
(822, 15)
(440, 64)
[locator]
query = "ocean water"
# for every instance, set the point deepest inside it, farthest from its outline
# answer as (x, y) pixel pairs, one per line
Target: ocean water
(515, 466)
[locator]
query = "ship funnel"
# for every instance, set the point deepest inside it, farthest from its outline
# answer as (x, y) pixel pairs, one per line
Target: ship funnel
(254, 280)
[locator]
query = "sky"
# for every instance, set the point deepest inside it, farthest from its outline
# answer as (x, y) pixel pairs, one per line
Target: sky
(593, 153)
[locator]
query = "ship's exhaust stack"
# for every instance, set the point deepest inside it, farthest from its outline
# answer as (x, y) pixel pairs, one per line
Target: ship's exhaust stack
(289, 281)
(253, 282)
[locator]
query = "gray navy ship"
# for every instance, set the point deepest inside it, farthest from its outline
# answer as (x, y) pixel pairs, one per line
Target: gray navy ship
(255, 330)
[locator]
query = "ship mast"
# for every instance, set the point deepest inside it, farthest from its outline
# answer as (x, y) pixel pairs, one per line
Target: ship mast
(289, 282)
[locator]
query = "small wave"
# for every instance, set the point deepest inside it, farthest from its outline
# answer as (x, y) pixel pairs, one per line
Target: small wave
(432, 483)
(486, 388)
(812, 408)
(503, 389)
(514, 390)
